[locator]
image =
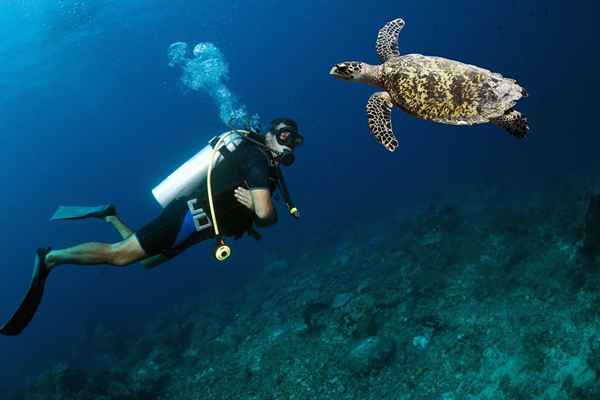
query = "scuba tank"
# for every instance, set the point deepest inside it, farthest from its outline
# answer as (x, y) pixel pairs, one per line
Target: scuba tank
(193, 172)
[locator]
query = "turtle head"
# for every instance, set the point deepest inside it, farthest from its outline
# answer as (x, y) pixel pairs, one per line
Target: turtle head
(347, 71)
(356, 71)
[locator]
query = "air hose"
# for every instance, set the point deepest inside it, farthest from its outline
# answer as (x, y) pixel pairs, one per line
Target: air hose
(222, 250)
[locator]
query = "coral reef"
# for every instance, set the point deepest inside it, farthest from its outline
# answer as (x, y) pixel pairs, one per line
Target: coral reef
(493, 302)
(591, 238)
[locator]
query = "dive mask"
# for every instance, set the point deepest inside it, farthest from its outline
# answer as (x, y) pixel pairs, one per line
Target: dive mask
(288, 136)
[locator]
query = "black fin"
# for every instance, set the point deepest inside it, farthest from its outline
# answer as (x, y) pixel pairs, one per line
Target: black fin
(30, 303)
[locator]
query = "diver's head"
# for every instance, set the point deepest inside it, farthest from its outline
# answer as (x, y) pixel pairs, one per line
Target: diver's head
(282, 138)
(357, 71)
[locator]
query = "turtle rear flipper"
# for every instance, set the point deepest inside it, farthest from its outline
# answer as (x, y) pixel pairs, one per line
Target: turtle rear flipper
(379, 112)
(514, 123)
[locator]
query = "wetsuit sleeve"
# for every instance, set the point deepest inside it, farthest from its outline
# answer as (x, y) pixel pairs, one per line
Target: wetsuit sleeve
(257, 171)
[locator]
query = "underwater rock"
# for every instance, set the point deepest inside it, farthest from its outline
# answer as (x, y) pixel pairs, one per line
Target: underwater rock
(591, 238)
(357, 317)
(341, 300)
(277, 267)
(431, 238)
(71, 380)
(150, 378)
(364, 286)
(342, 259)
(226, 341)
(585, 392)
(110, 384)
(307, 297)
(420, 342)
(593, 359)
(370, 353)
(309, 315)
(215, 347)
(251, 361)
(299, 327)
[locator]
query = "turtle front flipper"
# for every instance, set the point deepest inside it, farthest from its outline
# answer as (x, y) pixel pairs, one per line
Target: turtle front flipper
(387, 40)
(379, 112)
(514, 123)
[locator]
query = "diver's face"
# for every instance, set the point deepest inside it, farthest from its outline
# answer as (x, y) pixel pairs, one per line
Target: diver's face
(283, 134)
(272, 142)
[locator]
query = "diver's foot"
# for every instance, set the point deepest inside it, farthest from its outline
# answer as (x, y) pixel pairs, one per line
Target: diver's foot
(51, 259)
(41, 267)
(106, 214)
(110, 219)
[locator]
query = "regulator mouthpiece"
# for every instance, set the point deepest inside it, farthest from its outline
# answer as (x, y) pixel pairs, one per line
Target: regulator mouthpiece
(286, 158)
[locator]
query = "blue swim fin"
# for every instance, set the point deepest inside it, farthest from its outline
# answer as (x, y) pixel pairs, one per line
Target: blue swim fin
(70, 212)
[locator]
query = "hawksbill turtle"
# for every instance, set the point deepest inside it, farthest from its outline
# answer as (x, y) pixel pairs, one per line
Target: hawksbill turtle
(432, 88)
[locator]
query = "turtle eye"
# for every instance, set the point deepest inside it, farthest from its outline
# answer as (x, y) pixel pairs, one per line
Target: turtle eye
(344, 70)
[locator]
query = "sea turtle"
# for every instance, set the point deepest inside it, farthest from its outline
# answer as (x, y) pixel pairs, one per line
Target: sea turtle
(432, 88)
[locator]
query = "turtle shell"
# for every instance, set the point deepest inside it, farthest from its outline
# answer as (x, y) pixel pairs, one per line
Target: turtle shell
(447, 91)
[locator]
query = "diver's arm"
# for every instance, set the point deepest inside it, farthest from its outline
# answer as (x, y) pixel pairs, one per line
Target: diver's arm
(260, 202)
(263, 207)
(271, 219)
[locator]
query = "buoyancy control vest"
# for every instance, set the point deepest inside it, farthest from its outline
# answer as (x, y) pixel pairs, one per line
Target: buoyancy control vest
(193, 173)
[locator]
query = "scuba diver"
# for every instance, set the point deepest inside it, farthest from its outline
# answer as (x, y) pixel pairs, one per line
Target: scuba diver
(198, 205)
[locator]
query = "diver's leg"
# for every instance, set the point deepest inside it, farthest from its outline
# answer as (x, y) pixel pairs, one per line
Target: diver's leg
(118, 254)
(116, 223)
(125, 232)
(154, 261)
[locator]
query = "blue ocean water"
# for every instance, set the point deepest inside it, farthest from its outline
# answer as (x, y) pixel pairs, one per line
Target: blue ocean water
(91, 112)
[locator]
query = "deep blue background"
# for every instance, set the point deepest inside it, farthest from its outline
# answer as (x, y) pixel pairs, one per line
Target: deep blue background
(90, 113)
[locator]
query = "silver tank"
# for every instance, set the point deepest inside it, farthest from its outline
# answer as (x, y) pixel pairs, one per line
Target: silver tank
(193, 172)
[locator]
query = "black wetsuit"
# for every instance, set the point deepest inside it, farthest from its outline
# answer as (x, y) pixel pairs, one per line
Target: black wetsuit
(174, 229)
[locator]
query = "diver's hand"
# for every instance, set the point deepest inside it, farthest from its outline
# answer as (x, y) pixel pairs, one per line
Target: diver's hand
(244, 197)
